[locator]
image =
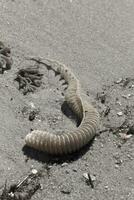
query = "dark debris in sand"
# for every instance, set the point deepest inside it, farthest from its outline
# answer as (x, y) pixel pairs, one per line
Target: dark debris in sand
(29, 79)
(23, 190)
(6, 60)
(115, 104)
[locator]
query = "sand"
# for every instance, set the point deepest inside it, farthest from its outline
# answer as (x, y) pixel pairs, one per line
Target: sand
(96, 40)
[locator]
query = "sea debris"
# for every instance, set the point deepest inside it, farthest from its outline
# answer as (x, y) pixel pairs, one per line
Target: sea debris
(120, 80)
(29, 79)
(102, 97)
(23, 190)
(120, 113)
(127, 96)
(89, 179)
(131, 130)
(106, 111)
(64, 164)
(6, 60)
(125, 136)
(66, 188)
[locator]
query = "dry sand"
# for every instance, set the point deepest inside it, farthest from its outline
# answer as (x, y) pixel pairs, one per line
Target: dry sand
(96, 39)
